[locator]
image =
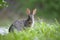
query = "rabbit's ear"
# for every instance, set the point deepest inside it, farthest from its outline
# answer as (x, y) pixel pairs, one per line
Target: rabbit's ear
(28, 11)
(34, 11)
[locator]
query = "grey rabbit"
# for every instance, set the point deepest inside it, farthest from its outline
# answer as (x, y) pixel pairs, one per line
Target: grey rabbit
(21, 24)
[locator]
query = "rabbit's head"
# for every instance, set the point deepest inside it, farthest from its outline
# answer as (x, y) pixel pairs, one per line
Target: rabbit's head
(30, 14)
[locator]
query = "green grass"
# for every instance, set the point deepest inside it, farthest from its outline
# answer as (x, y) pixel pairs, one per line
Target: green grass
(41, 31)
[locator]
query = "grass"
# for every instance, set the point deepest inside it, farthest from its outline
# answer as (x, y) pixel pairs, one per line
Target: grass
(41, 31)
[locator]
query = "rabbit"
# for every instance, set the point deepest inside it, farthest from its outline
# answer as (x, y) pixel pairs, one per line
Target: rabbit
(21, 24)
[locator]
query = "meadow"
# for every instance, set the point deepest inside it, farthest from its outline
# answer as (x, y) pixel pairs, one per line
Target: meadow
(40, 31)
(49, 9)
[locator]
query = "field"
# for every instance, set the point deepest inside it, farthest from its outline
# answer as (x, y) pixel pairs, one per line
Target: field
(11, 10)
(41, 31)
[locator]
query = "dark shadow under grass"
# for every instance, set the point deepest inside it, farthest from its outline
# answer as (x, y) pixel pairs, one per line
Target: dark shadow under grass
(41, 31)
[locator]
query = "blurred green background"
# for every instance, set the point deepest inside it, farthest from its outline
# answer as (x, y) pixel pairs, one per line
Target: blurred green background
(11, 10)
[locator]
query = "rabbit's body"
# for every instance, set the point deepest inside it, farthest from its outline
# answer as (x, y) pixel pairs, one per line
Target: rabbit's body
(21, 24)
(17, 25)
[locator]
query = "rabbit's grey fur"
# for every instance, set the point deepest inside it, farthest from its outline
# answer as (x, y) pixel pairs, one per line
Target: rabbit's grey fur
(21, 24)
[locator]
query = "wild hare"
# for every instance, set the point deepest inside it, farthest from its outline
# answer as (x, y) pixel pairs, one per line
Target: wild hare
(21, 24)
